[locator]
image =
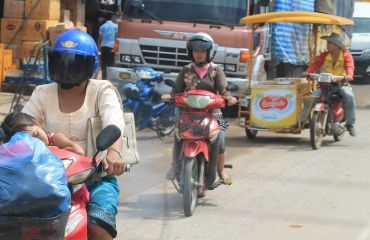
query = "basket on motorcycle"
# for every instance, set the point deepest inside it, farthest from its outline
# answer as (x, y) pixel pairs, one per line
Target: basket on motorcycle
(28, 228)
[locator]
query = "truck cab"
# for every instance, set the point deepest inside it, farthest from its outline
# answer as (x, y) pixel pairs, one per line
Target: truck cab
(153, 33)
(360, 47)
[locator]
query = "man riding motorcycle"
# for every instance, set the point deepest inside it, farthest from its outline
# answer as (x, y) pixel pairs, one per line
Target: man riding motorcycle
(337, 61)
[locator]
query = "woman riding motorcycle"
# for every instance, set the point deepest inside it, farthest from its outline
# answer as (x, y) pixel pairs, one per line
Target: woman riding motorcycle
(204, 74)
(66, 105)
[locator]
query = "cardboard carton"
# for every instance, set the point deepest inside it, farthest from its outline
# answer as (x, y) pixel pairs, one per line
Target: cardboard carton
(13, 9)
(10, 30)
(35, 30)
(42, 9)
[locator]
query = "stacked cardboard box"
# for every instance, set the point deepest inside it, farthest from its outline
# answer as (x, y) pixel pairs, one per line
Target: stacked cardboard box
(25, 24)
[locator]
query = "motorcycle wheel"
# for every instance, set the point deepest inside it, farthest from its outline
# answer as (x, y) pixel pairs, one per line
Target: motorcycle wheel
(189, 185)
(317, 129)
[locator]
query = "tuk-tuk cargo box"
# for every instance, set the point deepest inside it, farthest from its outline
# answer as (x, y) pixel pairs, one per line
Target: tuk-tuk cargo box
(42, 9)
(277, 105)
(13, 9)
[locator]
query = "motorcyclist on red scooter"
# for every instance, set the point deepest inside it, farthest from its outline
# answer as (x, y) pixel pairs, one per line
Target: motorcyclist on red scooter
(66, 105)
(338, 61)
(204, 74)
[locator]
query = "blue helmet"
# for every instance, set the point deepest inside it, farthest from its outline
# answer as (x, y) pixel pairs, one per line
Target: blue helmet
(73, 58)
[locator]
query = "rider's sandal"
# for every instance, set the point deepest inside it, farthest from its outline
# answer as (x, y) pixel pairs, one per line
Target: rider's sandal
(226, 180)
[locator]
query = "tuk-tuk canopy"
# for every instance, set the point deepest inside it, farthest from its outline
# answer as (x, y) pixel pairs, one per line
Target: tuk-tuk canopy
(297, 17)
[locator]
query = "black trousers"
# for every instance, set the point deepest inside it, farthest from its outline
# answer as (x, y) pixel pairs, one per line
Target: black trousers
(107, 60)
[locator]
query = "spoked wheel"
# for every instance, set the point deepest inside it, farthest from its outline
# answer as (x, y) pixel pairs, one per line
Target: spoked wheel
(317, 129)
(190, 188)
(250, 133)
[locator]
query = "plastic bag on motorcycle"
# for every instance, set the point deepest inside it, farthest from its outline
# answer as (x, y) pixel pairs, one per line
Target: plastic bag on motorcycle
(33, 181)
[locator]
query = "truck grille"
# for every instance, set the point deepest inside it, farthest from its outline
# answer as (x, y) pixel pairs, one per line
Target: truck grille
(165, 56)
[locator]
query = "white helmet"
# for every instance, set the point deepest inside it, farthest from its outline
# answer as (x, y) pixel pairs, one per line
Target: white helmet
(201, 41)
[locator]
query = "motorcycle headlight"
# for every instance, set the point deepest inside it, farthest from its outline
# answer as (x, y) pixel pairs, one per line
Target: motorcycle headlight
(199, 102)
(324, 78)
(366, 53)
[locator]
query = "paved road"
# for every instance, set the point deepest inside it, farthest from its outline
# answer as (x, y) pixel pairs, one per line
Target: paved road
(282, 189)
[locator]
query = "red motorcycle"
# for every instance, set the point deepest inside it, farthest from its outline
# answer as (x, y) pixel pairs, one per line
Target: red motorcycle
(73, 224)
(196, 133)
(328, 112)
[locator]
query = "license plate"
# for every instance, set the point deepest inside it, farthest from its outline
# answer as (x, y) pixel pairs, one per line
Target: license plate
(244, 101)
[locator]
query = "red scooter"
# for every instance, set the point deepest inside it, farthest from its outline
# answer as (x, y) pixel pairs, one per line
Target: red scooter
(328, 112)
(71, 225)
(196, 137)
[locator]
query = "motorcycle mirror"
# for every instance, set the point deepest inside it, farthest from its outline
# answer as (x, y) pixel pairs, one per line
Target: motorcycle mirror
(170, 83)
(107, 137)
(232, 87)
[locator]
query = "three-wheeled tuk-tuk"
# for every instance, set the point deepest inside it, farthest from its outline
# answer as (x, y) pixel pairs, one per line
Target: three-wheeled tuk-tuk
(276, 104)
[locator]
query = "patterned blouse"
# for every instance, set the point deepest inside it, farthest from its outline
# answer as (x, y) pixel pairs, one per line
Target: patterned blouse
(214, 81)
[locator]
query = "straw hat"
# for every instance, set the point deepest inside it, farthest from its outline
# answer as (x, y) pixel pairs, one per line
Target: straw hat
(336, 39)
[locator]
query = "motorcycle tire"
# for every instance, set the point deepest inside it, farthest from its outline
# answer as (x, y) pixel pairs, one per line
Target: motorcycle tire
(317, 129)
(189, 185)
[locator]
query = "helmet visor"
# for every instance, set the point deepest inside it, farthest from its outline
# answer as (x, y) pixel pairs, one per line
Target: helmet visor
(200, 45)
(69, 67)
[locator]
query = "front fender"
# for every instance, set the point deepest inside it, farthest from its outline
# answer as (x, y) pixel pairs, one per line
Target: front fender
(191, 149)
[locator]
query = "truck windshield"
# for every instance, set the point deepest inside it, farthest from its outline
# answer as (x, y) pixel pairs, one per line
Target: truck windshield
(206, 11)
(362, 25)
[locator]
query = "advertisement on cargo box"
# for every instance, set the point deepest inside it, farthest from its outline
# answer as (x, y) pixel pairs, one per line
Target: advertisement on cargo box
(273, 108)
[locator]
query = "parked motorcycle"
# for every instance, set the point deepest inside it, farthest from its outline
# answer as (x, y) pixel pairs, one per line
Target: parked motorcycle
(328, 112)
(196, 130)
(145, 102)
(71, 225)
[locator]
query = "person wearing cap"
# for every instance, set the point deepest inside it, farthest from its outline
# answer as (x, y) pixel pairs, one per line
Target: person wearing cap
(337, 61)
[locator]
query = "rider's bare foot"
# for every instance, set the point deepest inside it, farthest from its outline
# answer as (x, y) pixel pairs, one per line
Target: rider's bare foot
(226, 179)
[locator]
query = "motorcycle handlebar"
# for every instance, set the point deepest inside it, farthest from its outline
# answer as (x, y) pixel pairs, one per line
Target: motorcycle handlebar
(333, 78)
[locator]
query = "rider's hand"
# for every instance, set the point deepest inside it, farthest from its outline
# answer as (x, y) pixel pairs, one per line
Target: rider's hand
(113, 163)
(305, 74)
(231, 100)
(166, 97)
(348, 78)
